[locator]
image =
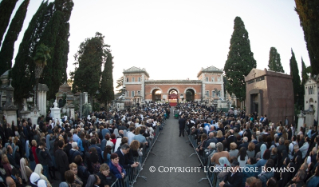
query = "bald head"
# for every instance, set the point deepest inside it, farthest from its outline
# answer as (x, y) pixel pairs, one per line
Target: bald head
(10, 182)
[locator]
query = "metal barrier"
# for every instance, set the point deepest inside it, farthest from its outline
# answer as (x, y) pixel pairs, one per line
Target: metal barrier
(203, 159)
(133, 173)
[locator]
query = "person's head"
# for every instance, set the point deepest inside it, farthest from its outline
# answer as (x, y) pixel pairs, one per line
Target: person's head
(93, 140)
(115, 158)
(9, 149)
(69, 176)
(135, 145)
(282, 141)
(300, 176)
(74, 145)
(10, 182)
(4, 159)
(107, 136)
(235, 166)
(60, 144)
(219, 134)
(233, 146)
(271, 182)
(251, 146)
(245, 139)
(74, 168)
(78, 160)
(220, 147)
(125, 148)
(34, 143)
(266, 155)
(250, 181)
(274, 151)
(203, 137)
(105, 169)
(257, 183)
(124, 140)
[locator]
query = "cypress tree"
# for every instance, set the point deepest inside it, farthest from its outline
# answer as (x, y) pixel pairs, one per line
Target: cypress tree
(119, 84)
(274, 63)
(304, 72)
(6, 53)
(240, 60)
(56, 36)
(91, 55)
(23, 78)
(6, 9)
(106, 87)
(309, 21)
(294, 71)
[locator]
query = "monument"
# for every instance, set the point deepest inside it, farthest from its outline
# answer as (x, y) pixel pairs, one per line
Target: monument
(55, 111)
(270, 93)
(9, 109)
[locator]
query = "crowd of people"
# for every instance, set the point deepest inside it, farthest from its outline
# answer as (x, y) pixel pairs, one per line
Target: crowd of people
(256, 151)
(93, 151)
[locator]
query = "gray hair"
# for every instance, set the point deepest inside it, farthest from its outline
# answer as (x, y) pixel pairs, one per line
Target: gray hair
(245, 139)
(296, 146)
(220, 147)
(211, 134)
(74, 145)
(282, 140)
(125, 146)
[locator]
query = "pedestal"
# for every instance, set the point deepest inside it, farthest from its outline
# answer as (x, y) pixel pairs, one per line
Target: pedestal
(301, 121)
(56, 113)
(34, 115)
(42, 98)
(10, 115)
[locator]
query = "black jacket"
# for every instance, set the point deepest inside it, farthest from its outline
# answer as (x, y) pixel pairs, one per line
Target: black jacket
(61, 160)
(233, 181)
(182, 123)
(109, 180)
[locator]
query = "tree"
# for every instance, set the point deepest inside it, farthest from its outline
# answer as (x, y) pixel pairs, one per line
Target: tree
(23, 78)
(119, 84)
(91, 55)
(41, 57)
(106, 86)
(6, 9)
(274, 63)
(304, 72)
(6, 53)
(55, 36)
(294, 71)
(309, 21)
(240, 60)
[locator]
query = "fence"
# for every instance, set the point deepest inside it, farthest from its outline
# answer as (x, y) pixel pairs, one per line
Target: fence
(133, 173)
(204, 160)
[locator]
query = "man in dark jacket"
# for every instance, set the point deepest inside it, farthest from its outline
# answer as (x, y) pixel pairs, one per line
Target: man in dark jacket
(61, 160)
(44, 158)
(181, 123)
(11, 157)
(107, 178)
(233, 179)
(231, 138)
(124, 160)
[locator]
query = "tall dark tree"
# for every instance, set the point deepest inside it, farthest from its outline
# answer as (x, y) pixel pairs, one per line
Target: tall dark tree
(309, 21)
(23, 78)
(294, 71)
(91, 55)
(6, 53)
(55, 36)
(6, 9)
(304, 77)
(106, 86)
(240, 60)
(274, 63)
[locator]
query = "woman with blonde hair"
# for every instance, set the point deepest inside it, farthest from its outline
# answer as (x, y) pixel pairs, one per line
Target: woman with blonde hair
(233, 152)
(39, 170)
(220, 136)
(135, 150)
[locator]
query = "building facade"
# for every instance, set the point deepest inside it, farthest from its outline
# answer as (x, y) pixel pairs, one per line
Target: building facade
(311, 97)
(139, 88)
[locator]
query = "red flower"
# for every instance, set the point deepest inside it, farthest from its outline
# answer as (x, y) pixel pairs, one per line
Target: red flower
(225, 165)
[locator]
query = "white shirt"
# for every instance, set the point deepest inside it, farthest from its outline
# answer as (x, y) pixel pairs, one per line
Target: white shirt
(291, 149)
(303, 149)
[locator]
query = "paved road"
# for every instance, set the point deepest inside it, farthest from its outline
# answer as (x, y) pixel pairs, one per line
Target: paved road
(171, 151)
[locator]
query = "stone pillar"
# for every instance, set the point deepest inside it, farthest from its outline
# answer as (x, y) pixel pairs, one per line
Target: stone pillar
(301, 121)
(85, 97)
(9, 109)
(42, 98)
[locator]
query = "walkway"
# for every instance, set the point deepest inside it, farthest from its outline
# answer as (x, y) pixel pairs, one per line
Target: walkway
(171, 151)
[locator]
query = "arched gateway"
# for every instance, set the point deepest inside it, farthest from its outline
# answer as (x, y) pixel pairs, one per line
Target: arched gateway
(137, 82)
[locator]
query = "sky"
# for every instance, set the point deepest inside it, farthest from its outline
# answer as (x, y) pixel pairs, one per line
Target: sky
(174, 39)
